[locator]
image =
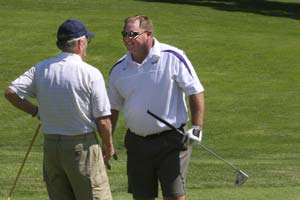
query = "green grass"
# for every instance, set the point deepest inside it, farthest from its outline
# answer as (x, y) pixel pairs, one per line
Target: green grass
(246, 54)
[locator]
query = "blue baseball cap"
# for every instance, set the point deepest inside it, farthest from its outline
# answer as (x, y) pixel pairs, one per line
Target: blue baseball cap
(71, 29)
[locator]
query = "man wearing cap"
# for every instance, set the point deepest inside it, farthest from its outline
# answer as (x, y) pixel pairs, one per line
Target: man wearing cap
(72, 106)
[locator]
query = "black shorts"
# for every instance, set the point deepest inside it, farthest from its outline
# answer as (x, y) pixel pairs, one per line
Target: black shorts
(160, 158)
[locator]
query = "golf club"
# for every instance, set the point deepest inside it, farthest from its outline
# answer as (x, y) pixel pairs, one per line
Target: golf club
(21, 168)
(241, 176)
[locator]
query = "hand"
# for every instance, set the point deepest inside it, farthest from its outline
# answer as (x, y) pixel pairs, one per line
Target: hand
(115, 157)
(108, 152)
(195, 134)
(36, 113)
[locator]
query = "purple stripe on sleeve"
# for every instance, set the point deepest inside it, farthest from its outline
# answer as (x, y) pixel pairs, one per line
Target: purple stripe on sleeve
(181, 58)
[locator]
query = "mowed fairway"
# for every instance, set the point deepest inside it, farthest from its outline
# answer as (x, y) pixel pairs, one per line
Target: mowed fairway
(246, 54)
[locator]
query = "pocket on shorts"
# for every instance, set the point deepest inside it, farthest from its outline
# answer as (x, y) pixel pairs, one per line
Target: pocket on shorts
(179, 141)
(130, 143)
(79, 151)
(80, 157)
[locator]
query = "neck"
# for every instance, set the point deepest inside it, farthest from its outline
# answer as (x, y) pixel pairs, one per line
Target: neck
(77, 51)
(140, 56)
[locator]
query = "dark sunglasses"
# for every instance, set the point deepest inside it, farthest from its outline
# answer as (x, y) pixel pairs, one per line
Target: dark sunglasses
(131, 34)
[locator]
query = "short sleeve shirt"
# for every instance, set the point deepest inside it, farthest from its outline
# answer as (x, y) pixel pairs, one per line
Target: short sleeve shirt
(70, 94)
(158, 84)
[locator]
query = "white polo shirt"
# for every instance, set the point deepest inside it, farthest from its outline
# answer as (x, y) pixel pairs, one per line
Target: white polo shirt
(159, 84)
(70, 94)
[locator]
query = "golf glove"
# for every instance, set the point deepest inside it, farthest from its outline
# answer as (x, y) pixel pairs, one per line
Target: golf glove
(195, 134)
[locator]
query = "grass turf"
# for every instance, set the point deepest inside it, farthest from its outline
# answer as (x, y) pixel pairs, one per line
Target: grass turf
(245, 53)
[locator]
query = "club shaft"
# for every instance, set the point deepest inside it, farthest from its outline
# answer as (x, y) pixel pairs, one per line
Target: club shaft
(218, 156)
(165, 122)
(199, 144)
(23, 163)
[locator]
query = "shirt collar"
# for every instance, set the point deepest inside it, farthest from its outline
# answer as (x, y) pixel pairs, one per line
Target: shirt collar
(65, 55)
(154, 53)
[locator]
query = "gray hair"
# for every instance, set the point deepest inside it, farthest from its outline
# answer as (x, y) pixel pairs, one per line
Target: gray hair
(69, 44)
(66, 45)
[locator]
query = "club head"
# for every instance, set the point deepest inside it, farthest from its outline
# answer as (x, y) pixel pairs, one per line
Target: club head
(241, 178)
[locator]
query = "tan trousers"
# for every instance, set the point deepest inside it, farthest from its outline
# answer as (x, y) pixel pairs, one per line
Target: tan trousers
(74, 168)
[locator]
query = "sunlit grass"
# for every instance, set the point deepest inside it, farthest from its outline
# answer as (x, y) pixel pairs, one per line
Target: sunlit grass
(247, 60)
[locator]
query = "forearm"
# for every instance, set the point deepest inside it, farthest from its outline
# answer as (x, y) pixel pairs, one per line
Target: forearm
(22, 104)
(114, 119)
(197, 108)
(105, 130)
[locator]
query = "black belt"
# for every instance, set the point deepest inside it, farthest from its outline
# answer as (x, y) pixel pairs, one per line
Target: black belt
(155, 135)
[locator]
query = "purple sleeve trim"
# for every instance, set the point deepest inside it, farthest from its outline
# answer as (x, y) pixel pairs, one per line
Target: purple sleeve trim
(181, 58)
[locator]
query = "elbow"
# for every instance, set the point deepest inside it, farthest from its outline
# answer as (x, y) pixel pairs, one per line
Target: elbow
(8, 93)
(11, 95)
(104, 122)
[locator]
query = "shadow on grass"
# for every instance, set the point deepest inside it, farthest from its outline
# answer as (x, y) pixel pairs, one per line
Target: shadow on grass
(262, 7)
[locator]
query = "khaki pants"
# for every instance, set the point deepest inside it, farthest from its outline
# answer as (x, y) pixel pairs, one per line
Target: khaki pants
(74, 168)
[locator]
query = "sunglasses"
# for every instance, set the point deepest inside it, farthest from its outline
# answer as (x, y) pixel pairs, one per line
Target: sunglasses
(131, 34)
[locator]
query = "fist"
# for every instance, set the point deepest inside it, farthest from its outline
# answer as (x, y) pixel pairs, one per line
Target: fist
(195, 133)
